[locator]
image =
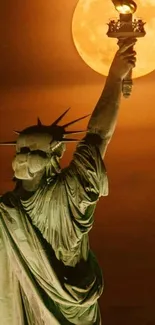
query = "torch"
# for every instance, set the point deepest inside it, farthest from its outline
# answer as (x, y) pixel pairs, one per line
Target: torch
(123, 28)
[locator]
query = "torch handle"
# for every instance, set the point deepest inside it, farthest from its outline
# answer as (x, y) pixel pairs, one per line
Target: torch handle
(127, 85)
(127, 82)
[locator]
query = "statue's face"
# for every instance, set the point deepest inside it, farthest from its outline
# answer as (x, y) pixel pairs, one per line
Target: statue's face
(33, 154)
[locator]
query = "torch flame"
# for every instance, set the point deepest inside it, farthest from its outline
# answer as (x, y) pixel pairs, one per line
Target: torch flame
(125, 6)
(124, 9)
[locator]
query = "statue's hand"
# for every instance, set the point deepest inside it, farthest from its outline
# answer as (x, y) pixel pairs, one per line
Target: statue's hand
(124, 59)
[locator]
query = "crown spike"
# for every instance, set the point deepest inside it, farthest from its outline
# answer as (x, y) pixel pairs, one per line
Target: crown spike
(79, 119)
(60, 117)
(11, 143)
(39, 122)
(74, 132)
(16, 132)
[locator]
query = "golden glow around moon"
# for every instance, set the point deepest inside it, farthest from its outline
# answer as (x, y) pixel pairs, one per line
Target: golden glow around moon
(89, 28)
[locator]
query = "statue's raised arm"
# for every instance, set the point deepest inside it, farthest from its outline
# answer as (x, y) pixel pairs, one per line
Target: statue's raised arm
(104, 117)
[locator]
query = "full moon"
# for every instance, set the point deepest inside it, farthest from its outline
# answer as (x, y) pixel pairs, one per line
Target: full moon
(89, 28)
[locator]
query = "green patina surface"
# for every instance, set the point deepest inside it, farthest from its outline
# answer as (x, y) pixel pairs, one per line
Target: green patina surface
(48, 273)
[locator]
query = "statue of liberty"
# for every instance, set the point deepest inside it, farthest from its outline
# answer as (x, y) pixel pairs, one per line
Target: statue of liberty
(48, 274)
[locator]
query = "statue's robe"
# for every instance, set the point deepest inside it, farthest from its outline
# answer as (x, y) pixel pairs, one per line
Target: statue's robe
(48, 274)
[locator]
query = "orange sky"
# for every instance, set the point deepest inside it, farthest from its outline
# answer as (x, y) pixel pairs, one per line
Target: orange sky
(42, 75)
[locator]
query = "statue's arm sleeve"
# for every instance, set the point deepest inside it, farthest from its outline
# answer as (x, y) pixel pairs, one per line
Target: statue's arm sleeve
(85, 181)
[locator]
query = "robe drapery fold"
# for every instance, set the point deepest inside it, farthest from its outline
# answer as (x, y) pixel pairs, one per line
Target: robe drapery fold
(48, 274)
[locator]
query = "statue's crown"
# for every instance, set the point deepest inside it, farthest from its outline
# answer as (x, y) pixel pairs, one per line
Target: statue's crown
(57, 132)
